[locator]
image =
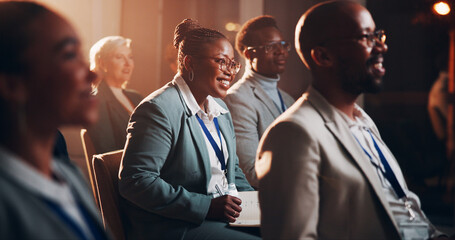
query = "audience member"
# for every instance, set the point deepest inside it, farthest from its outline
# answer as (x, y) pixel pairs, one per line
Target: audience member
(112, 59)
(438, 99)
(255, 100)
(44, 84)
(324, 171)
(180, 153)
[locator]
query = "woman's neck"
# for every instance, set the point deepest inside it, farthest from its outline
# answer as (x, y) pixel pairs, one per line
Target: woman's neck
(35, 149)
(200, 97)
(114, 83)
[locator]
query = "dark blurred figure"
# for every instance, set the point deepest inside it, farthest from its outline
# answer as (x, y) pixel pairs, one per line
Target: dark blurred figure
(255, 100)
(112, 59)
(438, 99)
(324, 172)
(60, 149)
(44, 84)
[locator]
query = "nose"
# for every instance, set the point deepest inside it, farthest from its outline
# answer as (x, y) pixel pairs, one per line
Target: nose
(380, 47)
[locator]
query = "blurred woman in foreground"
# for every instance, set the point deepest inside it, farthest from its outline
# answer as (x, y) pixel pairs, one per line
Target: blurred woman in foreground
(44, 84)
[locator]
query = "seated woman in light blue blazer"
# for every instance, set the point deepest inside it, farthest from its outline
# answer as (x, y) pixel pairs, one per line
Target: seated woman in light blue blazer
(180, 153)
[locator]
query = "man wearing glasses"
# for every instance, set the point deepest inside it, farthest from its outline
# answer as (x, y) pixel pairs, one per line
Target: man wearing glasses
(255, 100)
(324, 171)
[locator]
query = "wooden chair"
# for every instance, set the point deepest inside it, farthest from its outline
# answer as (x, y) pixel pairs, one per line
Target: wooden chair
(106, 167)
(89, 151)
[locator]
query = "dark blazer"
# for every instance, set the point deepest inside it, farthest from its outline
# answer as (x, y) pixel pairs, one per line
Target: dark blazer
(165, 169)
(109, 133)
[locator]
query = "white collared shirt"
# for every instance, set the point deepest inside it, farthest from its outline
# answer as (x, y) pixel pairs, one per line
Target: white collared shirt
(213, 110)
(58, 192)
(122, 98)
(420, 227)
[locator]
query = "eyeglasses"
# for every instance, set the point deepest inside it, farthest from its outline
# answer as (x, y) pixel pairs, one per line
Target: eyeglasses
(372, 39)
(225, 64)
(273, 47)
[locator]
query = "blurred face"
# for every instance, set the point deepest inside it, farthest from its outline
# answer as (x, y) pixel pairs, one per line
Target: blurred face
(358, 62)
(268, 63)
(209, 77)
(119, 66)
(58, 83)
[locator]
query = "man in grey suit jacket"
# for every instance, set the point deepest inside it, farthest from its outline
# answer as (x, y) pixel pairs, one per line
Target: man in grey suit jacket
(324, 171)
(255, 100)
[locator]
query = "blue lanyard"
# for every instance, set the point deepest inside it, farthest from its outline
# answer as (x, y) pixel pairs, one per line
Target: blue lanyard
(72, 224)
(218, 151)
(387, 173)
(283, 107)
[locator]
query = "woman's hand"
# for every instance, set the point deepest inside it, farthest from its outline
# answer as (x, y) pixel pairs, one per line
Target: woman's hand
(225, 208)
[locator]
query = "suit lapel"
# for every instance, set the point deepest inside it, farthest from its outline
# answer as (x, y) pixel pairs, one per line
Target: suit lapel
(263, 97)
(198, 138)
(340, 130)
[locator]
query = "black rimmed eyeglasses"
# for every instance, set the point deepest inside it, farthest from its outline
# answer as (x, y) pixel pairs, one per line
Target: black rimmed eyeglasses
(372, 38)
(272, 47)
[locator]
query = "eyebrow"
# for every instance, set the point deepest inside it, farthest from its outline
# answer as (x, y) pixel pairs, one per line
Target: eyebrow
(65, 42)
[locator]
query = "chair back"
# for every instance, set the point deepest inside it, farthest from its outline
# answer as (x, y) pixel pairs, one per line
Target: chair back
(89, 151)
(106, 167)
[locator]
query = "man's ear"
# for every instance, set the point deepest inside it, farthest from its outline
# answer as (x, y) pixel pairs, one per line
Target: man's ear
(321, 57)
(12, 88)
(248, 54)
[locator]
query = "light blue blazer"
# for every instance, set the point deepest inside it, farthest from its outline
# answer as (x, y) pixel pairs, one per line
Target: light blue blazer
(165, 169)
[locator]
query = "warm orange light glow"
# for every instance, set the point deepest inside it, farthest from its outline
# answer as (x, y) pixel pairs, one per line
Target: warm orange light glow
(231, 27)
(441, 8)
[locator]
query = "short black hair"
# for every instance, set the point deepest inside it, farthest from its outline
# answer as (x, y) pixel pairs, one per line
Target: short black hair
(244, 37)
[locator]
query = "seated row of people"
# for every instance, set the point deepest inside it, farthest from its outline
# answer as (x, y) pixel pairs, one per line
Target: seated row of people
(322, 169)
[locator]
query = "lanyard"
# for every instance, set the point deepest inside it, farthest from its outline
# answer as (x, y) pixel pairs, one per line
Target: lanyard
(218, 151)
(283, 107)
(387, 173)
(72, 224)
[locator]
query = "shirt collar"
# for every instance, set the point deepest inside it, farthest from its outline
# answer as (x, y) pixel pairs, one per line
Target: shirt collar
(30, 178)
(361, 118)
(213, 108)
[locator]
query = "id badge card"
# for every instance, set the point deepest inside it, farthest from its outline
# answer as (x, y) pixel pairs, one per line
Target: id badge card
(414, 231)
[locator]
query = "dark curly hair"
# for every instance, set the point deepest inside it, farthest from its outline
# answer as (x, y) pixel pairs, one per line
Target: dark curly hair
(16, 35)
(244, 37)
(189, 38)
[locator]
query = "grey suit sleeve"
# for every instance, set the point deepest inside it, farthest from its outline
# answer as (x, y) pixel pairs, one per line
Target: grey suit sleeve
(148, 145)
(240, 180)
(245, 121)
(288, 170)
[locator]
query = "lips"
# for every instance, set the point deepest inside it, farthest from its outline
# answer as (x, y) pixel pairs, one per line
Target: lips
(377, 66)
(280, 61)
(224, 82)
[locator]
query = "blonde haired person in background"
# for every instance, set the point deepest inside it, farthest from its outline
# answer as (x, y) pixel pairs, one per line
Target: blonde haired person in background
(112, 59)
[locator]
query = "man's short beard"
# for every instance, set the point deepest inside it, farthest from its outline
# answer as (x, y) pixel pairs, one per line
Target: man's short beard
(359, 83)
